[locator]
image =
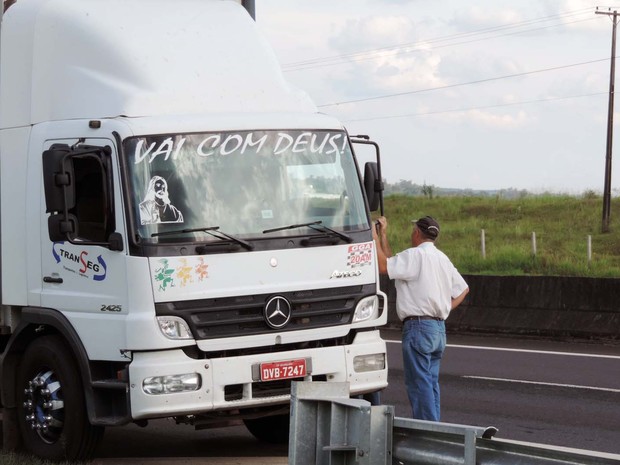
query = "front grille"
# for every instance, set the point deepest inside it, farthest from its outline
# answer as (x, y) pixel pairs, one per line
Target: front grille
(243, 315)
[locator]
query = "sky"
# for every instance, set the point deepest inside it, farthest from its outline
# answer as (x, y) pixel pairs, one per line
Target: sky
(485, 94)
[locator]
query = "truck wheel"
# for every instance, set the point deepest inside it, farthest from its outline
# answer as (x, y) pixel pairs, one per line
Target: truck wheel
(273, 429)
(51, 409)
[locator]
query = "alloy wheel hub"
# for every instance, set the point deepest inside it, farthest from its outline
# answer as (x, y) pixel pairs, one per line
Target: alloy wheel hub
(44, 407)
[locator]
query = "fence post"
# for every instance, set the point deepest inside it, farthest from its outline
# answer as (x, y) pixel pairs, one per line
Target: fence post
(534, 244)
(483, 244)
(589, 248)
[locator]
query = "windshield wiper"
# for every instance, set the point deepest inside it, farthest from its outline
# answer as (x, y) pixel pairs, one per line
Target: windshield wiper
(317, 226)
(222, 236)
(292, 226)
(236, 240)
(333, 232)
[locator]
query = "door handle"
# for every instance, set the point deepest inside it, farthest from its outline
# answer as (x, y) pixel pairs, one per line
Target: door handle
(50, 279)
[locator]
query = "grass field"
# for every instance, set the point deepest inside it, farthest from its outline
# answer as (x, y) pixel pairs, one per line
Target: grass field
(561, 224)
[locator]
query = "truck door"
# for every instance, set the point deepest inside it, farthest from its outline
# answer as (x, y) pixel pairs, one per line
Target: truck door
(81, 276)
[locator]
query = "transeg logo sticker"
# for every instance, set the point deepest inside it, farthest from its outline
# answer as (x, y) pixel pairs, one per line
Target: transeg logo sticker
(79, 261)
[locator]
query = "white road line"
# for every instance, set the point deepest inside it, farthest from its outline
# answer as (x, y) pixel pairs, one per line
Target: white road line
(545, 352)
(575, 386)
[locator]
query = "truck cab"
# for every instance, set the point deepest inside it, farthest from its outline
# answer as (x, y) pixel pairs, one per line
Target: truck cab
(183, 233)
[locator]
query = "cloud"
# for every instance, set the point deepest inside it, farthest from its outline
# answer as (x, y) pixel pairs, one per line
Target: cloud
(489, 133)
(372, 32)
(492, 120)
(402, 64)
(475, 17)
(575, 14)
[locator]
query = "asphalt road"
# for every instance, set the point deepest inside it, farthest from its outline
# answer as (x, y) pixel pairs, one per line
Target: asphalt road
(558, 393)
(163, 439)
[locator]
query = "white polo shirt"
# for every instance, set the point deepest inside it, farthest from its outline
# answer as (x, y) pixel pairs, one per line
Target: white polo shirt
(426, 281)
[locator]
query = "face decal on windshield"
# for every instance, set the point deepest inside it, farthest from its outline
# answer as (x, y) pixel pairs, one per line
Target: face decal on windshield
(156, 206)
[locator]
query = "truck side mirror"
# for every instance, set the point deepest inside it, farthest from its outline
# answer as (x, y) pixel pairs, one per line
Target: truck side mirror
(373, 185)
(58, 179)
(60, 227)
(78, 194)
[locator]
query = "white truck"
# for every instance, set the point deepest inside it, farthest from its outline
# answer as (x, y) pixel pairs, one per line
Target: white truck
(183, 233)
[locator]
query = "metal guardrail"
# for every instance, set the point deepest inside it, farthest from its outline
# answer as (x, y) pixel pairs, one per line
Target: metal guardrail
(329, 428)
(427, 443)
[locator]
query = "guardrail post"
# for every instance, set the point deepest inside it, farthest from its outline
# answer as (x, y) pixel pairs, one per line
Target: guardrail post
(327, 427)
(470, 447)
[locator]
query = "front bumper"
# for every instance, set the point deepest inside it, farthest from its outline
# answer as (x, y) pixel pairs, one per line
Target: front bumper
(227, 383)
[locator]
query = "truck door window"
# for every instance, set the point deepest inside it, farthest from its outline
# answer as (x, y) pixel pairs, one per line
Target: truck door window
(90, 208)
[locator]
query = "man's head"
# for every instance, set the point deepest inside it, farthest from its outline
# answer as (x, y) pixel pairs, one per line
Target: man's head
(160, 187)
(424, 229)
(158, 190)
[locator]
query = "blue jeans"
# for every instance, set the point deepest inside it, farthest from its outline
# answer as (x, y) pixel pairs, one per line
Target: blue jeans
(423, 345)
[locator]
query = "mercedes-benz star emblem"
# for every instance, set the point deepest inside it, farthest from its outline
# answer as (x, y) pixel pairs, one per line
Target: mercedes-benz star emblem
(277, 312)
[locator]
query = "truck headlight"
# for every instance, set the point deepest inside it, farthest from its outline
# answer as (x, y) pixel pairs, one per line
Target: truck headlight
(172, 383)
(174, 327)
(372, 362)
(366, 309)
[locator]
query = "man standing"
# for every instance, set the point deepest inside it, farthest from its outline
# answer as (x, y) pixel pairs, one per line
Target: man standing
(428, 287)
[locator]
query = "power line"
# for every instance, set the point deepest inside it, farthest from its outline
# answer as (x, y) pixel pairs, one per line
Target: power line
(486, 107)
(438, 39)
(448, 86)
(422, 45)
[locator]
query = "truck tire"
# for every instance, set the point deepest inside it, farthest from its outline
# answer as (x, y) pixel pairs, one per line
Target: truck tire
(273, 429)
(51, 409)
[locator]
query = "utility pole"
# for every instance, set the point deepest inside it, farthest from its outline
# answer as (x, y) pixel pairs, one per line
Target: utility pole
(610, 122)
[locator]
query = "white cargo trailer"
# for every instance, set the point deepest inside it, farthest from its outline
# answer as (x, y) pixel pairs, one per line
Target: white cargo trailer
(183, 233)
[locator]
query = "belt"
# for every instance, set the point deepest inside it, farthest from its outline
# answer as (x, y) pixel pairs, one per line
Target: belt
(422, 317)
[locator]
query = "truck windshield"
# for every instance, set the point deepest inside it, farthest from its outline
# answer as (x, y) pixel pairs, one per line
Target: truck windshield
(244, 182)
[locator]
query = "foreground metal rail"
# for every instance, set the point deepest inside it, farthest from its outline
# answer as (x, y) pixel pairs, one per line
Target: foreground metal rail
(327, 427)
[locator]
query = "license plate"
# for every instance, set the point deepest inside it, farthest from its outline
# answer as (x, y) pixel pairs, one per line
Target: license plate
(282, 370)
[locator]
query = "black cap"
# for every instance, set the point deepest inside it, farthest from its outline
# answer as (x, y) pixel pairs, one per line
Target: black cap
(429, 227)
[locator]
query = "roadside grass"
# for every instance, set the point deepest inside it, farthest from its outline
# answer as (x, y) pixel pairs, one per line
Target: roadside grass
(561, 224)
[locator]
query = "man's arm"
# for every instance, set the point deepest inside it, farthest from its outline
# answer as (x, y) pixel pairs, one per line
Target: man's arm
(383, 246)
(457, 300)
